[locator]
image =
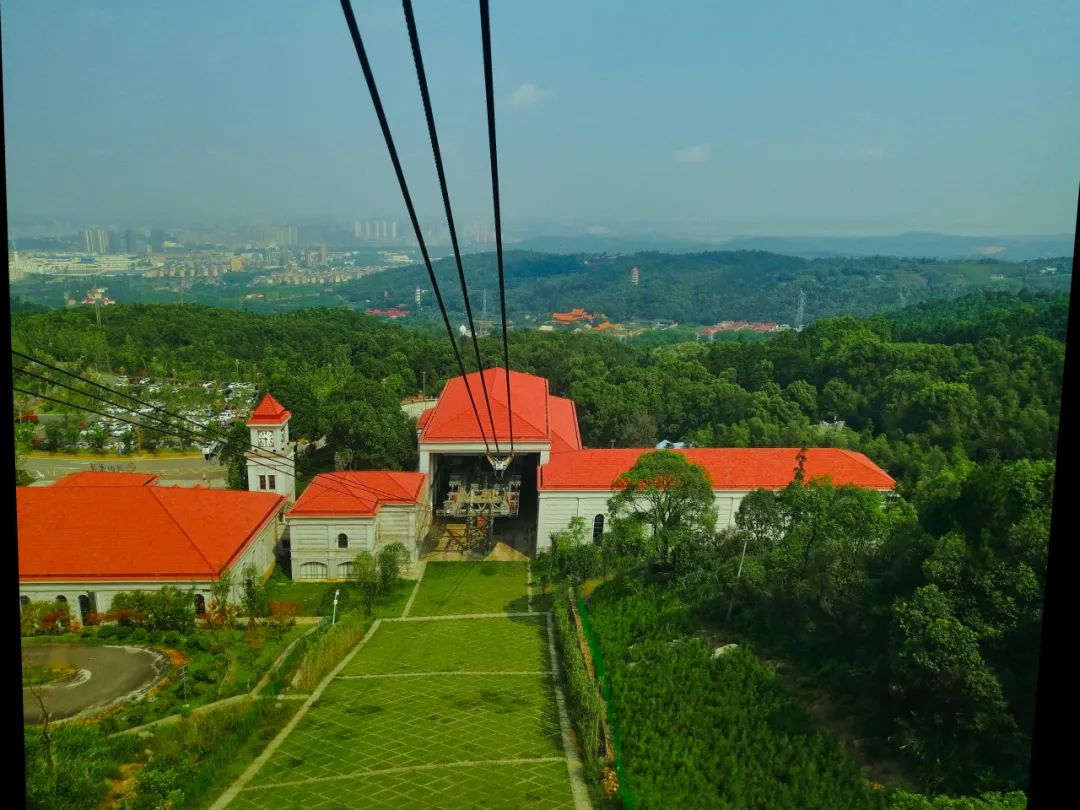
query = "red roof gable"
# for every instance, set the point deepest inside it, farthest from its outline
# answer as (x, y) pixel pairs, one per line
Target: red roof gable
(106, 479)
(425, 417)
(729, 469)
(121, 532)
(564, 425)
(359, 493)
(453, 419)
(269, 412)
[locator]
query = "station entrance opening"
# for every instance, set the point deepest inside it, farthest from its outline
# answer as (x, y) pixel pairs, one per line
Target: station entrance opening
(475, 506)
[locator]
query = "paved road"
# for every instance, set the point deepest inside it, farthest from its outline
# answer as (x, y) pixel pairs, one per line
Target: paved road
(171, 469)
(115, 673)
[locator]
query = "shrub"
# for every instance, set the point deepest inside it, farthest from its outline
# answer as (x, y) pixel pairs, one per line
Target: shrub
(50, 618)
(328, 649)
(366, 576)
(391, 560)
(586, 706)
(282, 614)
(139, 636)
(92, 619)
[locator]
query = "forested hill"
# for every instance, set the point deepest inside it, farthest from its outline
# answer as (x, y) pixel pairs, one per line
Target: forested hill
(705, 288)
(931, 639)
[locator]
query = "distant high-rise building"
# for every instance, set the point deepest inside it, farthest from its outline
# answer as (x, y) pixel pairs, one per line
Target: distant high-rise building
(96, 241)
(324, 253)
(393, 229)
(635, 275)
(157, 240)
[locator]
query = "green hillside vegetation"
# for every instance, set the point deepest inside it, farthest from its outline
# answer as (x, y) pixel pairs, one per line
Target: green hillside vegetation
(691, 288)
(925, 633)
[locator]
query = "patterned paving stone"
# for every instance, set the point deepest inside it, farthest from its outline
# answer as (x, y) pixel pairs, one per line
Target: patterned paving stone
(542, 786)
(471, 645)
(373, 724)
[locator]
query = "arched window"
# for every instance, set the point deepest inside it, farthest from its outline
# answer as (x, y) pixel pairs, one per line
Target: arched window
(200, 605)
(24, 601)
(343, 540)
(313, 570)
(61, 598)
(597, 527)
(345, 570)
(84, 606)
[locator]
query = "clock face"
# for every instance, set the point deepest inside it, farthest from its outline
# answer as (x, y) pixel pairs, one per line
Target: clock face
(266, 438)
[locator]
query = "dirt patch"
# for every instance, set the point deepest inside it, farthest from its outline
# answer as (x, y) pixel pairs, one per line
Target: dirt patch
(842, 728)
(504, 553)
(123, 786)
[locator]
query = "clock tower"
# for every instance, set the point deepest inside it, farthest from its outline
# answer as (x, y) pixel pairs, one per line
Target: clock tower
(271, 460)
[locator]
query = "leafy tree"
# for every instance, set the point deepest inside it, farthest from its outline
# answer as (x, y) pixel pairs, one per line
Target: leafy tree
(221, 611)
(366, 577)
(673, 497)
(391, 560)
(253, 594)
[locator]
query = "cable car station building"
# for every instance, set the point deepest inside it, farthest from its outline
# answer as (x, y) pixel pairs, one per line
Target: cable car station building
(547, 481)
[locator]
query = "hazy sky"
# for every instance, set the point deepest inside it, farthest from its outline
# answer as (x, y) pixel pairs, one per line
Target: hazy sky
(764, 117)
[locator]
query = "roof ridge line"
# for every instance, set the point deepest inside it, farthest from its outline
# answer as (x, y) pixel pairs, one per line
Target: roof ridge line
(183, 531)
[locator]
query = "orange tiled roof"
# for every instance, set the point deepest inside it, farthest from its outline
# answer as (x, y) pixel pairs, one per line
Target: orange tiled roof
(268, 412)
(135, 532)
(729, 468)
(106, 479)
(453, 419)
(359, 493)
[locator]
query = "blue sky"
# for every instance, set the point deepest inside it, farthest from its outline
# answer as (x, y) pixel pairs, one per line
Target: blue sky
(771, 117)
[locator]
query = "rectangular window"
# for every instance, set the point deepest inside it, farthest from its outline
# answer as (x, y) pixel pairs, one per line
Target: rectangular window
(271, 482)
(262, 482)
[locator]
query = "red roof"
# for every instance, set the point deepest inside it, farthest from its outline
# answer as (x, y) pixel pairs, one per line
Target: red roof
(537, 417)
(730, 469)
(106, 479)
(425, 417)
(357, 492)
(269, 412)
(133, 532)
(564, 425)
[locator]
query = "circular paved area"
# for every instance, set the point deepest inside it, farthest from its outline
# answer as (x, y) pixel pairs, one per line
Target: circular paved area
(108, 675)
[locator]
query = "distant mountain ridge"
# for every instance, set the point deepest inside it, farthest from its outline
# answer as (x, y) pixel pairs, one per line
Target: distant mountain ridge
(913, 244)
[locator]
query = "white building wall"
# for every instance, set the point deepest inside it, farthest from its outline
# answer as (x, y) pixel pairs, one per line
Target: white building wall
(101, 594)
(261, 552)
(315, 540)
(557, 507)
(283, 471)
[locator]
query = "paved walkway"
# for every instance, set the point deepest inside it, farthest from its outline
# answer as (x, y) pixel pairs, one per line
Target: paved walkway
(448, 711)
(108, 676)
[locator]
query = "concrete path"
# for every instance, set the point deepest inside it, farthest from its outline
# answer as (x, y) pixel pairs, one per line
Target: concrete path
(115, 674)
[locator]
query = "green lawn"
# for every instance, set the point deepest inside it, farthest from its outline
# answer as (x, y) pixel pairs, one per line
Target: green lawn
(538, 786)
(379, 723)
(456, 588)
(317, 598)
(407, 724)
(308, 595)
(465, 645)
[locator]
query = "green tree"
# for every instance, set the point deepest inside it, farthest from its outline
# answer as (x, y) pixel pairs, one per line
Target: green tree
(253, 595)
(366, 577)
(667, 493)
(391, 560)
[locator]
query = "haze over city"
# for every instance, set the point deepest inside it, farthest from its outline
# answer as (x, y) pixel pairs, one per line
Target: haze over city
(778, 119)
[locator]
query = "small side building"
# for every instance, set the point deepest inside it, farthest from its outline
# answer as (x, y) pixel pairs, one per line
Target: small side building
(341, 514)
(579, 483)
(92, 535)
